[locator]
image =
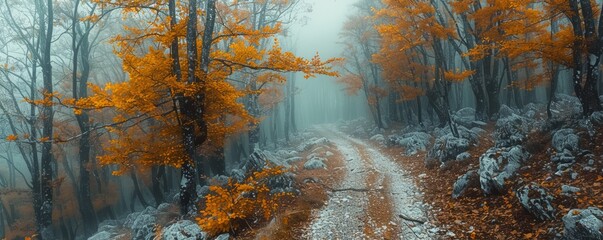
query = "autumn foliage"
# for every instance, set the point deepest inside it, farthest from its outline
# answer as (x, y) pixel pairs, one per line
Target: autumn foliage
(148, 120)
(228, 207)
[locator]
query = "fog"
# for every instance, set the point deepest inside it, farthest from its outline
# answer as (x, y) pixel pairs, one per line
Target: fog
(193, 119)
(322, 100)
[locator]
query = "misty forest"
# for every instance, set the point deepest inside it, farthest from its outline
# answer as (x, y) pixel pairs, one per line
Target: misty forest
(301, 119)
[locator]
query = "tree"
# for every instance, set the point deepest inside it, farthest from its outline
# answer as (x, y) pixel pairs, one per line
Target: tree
(39, 46)
(587, 48)
(361, 43)
(193, 110)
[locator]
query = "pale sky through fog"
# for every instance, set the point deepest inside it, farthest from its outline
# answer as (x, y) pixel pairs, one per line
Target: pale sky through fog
(320, 99)
(321, 32)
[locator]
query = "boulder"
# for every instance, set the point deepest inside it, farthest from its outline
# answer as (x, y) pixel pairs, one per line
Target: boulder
(237, 174)
(468, 134)
(293, 159)
(109, 226)
(315, 163)
(511, 130)
(597, 118)
(284, 154)
(530, 110)
(307, 145)
(563, 157)
(447, 148)
(582, 224)
(463, 182)
(101, 235)
(219, 180)
(478, 131)
(412, 142)
(505, 111)
(165, 207)
(183, 229)
(142, 223)
(537, 201)
(463, 156)
(379, 138)
(498, 165)
(282, 183)
(565, 139)
(464, 117)
(565, 106)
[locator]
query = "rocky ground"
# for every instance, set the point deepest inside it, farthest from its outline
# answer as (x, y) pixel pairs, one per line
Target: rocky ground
(523, 176)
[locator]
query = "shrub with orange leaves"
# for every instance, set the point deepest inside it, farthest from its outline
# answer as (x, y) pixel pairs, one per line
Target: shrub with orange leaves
(226, 207)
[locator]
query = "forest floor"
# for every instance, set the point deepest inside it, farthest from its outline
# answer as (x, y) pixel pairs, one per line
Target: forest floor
(371, 191)
(501, 216)
(362, 194)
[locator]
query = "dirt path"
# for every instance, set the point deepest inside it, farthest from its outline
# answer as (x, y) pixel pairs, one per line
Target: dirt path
(375, 200)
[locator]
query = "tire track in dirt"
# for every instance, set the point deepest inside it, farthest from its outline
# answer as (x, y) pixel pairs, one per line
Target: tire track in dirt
(373, 213)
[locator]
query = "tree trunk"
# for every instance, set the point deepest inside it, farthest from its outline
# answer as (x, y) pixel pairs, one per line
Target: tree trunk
(288, 94)
(45, 217)
(137, 190)
(156, 175)
(80, 90)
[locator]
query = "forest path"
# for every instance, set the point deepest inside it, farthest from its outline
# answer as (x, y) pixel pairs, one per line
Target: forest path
(375, 200)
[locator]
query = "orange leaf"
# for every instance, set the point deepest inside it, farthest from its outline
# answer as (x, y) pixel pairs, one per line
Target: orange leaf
(11, 138)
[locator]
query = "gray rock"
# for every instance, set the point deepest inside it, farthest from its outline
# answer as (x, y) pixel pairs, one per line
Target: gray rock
(101, 235)
(565, 139)
(282, 183)
(183, 230)
(447, 148)
(583, 224)
(318, 149)
(293, 159)
(412, 142)
(315, 163)
(142, 223)
(465, 117)
(284, 154)
(312, 155)
(537, 201)
(307, 145)
(463, 182)
(562, 157)
(463, 156)
(468, 134)
(597, 118)
(530, 114)
(506, 111)
(564, 166)
(566, 189)
(224, 236)
(164, 207)
(478, 131)
(219, 180)
(108, 225)
(479, 123)
(498, 165)
(237, 174)
(379, 138)
(565, 106)
(511, 130)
